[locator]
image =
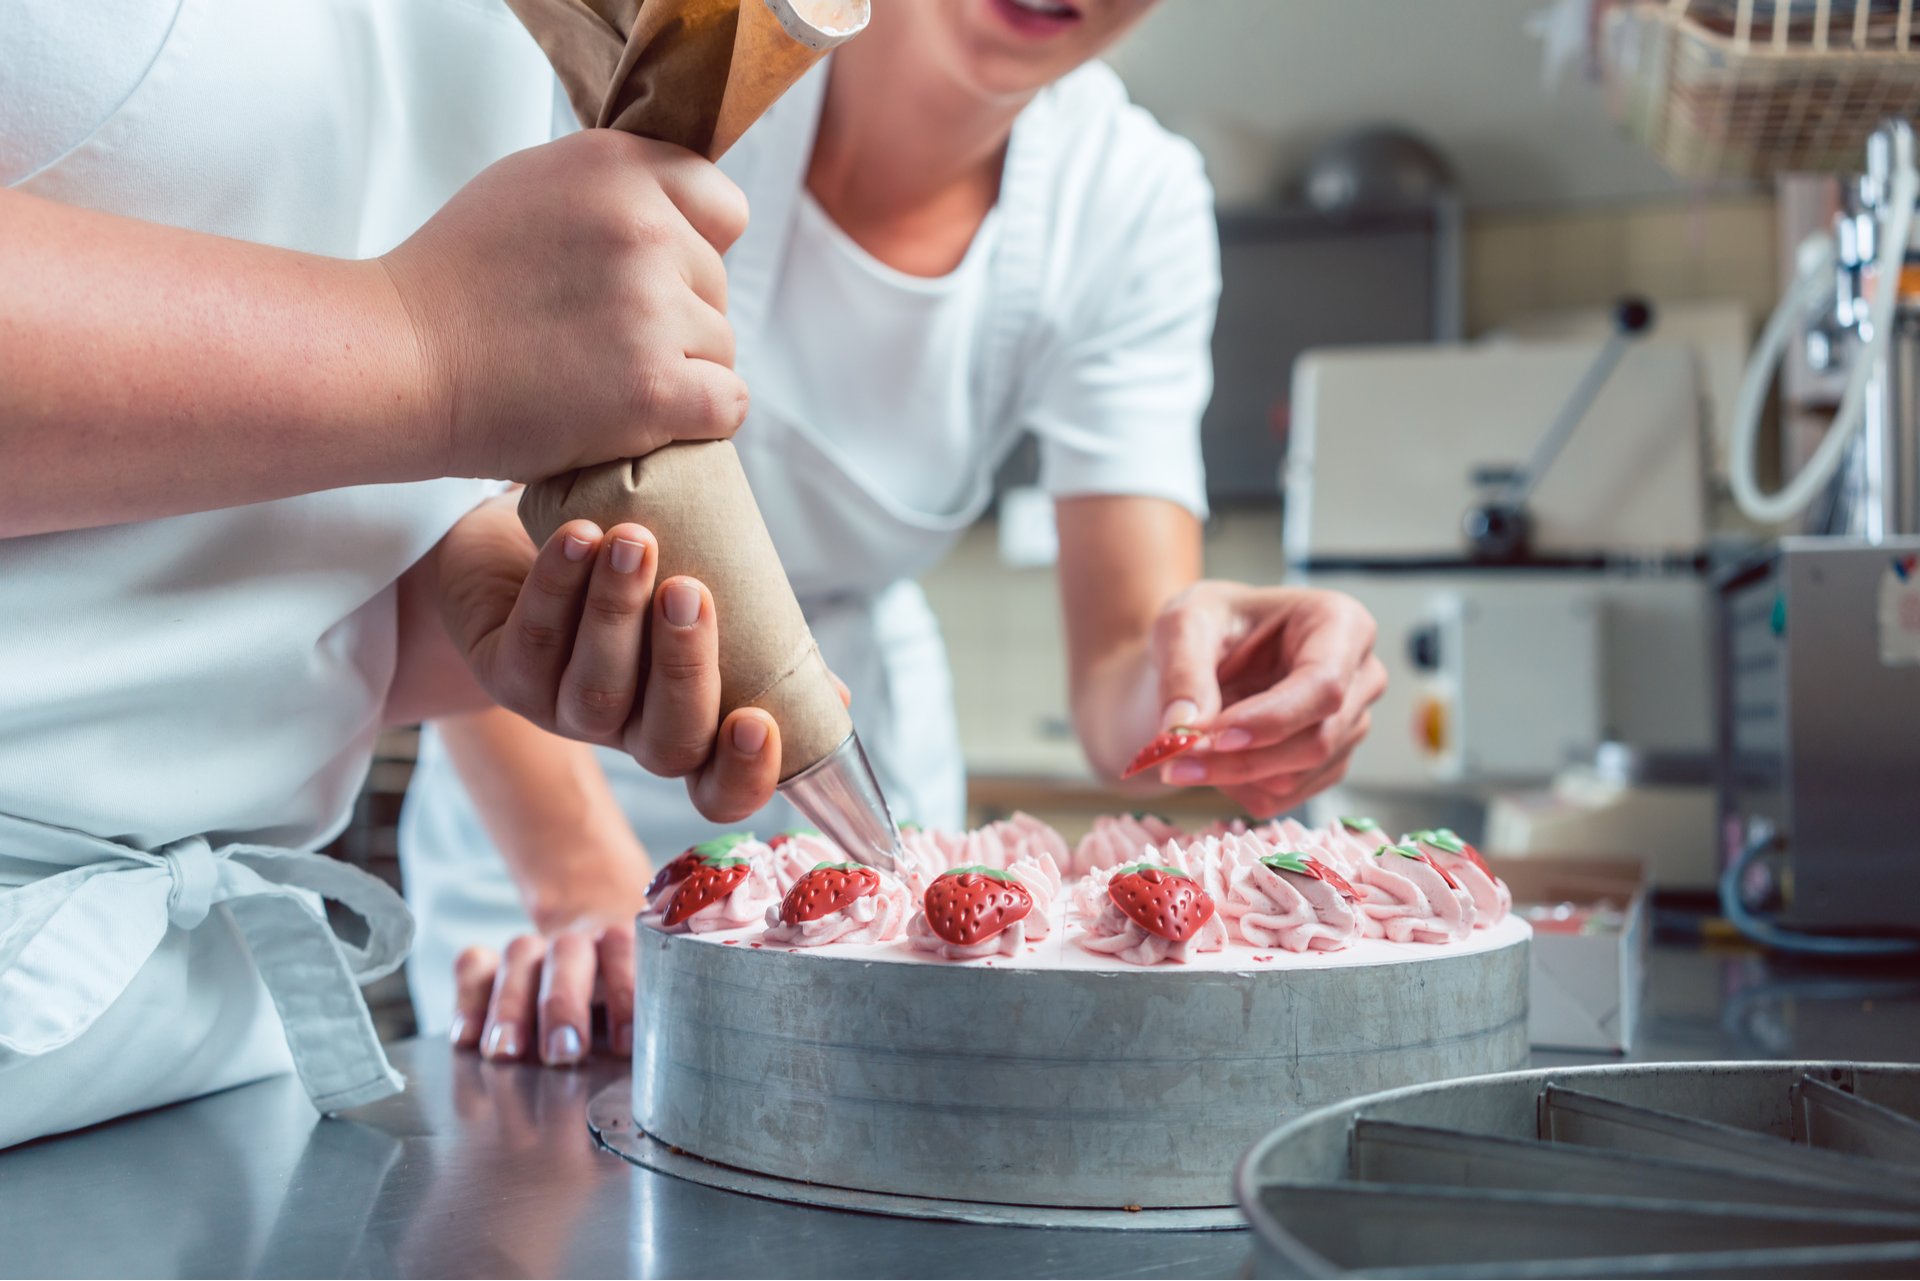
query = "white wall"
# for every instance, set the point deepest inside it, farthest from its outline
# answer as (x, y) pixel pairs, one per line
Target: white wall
(1258, 83)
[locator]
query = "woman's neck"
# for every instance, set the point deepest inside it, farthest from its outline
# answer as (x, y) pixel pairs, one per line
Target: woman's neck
(908, 159)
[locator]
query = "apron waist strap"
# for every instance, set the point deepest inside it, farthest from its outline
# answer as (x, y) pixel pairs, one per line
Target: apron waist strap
(72, 940)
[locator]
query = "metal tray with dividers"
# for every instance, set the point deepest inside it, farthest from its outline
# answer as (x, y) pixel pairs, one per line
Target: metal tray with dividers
(1723, 1169)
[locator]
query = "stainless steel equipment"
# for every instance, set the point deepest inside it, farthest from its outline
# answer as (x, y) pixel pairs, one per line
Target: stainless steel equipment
(1507, 671)
(1058, 1087)
(843, 798)
(1819, 662)
(1686, 1169)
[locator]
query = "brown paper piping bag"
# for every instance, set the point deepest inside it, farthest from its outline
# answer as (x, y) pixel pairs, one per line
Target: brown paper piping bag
(692, 72)
(695, 499)
(698, 73)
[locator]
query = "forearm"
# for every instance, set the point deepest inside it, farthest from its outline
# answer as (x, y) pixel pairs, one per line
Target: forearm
(1121, 560)
(147, 371)
(546, 802)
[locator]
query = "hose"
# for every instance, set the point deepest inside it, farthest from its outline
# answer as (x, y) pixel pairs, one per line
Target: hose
(1814, 261)
(1762, 929)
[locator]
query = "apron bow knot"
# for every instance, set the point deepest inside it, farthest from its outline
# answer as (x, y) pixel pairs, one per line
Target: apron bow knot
(195, 876)
(73, 937)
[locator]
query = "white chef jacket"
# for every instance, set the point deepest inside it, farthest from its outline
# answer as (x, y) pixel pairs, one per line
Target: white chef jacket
(189, 704)
(1102, 273)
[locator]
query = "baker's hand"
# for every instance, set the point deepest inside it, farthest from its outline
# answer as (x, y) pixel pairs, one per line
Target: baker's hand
(569, 305)
(538, 998)
(1279, 679)
(556, 637)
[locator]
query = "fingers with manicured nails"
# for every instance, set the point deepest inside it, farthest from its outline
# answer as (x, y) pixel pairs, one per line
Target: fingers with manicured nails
(1304, 699)
(566, 1000)
(745, 767)
(1321, 643)
(536, 644)
(603, 676)
(673, 734)
(1333, 738)
(615, 945)
(509, 1033)
(1185, 647)
(473, 972)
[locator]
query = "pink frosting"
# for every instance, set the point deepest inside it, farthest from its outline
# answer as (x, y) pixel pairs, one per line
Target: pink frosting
(745, 906)
(1492, 900)
(1408, 902)
(1119, 839)
(1114, 933)
(879, 917)
(1007, 942)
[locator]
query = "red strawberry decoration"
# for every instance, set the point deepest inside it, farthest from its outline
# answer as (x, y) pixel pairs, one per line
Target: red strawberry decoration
(1161, 900)
(1164, 747)
(672, 874)
(1446, 839)
(1408, 851)
(1304, 865)
(678, 869)
(708, 883)
(825, 890)
(973, 904)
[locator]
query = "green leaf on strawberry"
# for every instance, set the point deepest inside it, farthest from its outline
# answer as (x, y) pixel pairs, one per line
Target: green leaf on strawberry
(720, 846)
(979, 869)
(1131, 868)
(838, 867)
(1288, 862)
(1442, 838)
(1359, 824)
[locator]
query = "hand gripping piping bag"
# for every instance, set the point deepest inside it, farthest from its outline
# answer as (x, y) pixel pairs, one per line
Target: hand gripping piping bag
(698, 73)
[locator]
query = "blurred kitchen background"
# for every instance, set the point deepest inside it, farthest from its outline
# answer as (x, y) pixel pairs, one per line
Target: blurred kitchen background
(1389, 173)
(1429, 214)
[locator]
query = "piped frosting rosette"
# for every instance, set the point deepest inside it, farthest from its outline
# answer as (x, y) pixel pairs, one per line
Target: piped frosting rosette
(1350, 842)
(1294, 901)
(798, 851)
(723, 884)
(973, 912)
(1120, 839)
(1491, 898)
(1407, 898)
(838, 902)
(1154, 913)
(928, 853)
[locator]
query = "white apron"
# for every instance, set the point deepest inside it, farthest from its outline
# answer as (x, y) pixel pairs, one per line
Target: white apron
(188, 705)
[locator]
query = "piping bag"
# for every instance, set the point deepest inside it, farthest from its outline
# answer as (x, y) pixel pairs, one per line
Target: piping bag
(698, 73)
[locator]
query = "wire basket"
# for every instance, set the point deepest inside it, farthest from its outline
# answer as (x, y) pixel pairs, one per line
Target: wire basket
(1751, 88)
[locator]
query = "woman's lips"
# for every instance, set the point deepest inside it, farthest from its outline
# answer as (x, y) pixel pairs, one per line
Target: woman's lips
(1039, 18)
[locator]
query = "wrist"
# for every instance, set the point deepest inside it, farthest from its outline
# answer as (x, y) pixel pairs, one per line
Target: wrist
(419, 373)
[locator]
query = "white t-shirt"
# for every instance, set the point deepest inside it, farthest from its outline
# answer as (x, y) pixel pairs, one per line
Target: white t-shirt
(880, 360)
(174, 690)
(66, 68)
(882, 404)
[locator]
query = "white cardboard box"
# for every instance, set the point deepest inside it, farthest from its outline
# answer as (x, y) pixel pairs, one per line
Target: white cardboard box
(1585, 991)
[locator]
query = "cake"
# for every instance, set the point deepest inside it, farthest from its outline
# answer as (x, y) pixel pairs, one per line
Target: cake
(1006, 1018)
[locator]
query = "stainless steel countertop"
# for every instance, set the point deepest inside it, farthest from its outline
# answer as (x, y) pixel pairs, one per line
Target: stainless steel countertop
(483, 1170)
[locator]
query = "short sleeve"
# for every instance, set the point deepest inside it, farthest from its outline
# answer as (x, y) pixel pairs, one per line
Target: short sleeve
(1124, 377)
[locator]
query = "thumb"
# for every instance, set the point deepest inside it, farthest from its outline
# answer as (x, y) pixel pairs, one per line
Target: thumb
(1185, 646)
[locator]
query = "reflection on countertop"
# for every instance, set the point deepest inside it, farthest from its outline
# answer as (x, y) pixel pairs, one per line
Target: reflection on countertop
(481, 1169)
